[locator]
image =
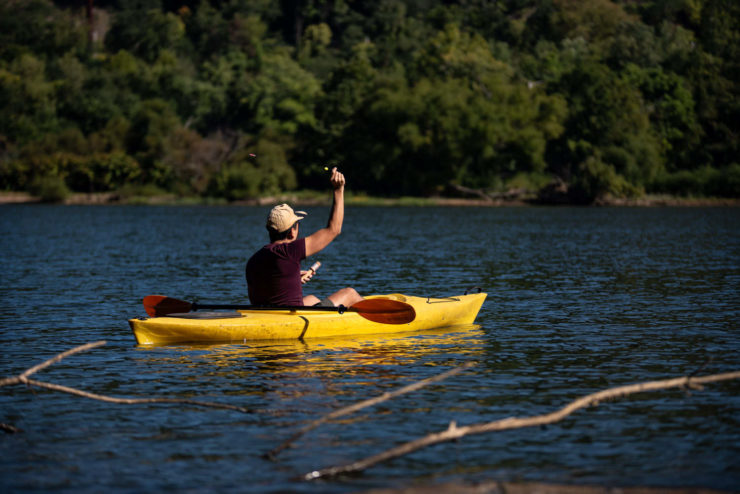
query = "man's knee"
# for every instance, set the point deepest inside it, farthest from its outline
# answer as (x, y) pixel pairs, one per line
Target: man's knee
(351, 293)
(346, 296)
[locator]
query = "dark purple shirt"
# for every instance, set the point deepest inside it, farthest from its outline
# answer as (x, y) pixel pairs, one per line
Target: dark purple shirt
(274, 274)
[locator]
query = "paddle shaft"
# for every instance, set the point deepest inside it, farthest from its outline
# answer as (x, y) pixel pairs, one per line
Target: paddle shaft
(375, 309)
(196, 306)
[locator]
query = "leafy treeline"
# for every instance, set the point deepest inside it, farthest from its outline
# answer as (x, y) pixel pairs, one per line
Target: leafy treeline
(243, 98)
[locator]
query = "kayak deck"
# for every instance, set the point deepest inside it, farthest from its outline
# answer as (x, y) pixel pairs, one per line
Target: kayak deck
(292, 324)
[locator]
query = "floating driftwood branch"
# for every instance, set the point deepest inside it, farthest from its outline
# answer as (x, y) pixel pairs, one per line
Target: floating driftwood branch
(366, 403)
(131, 401)
(9, 428)
(24, 379)
(455, 432)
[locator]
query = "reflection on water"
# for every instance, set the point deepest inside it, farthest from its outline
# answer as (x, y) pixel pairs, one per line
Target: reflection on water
(279, 366)
(579, 300)
(380, 349)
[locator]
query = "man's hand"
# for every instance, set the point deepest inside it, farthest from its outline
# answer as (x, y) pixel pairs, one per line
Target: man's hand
(337, 179)
(307, 275)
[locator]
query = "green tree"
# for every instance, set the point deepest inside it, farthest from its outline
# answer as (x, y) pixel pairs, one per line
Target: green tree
(37, 27)
(143, 29)
(467, 120)
(281, 97)
(245, 175)
(607, 122)
(671, 106)
(146, 140)
(27, 100)
(714, 75)
(609, 95)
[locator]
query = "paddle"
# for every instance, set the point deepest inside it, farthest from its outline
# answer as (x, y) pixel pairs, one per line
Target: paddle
(380, 310)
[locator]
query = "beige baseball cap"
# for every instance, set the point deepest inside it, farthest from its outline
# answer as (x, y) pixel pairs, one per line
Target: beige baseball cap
(283, 217)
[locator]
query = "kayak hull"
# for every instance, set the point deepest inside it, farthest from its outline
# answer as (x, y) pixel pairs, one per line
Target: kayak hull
(285, 324)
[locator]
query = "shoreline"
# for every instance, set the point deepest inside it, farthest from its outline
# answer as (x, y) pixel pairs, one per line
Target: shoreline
(111, 198)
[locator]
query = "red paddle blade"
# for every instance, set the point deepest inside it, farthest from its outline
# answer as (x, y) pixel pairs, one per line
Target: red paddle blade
(159, 305)
(385, 311)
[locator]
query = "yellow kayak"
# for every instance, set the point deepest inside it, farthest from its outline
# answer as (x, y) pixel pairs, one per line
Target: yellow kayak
(296, 323)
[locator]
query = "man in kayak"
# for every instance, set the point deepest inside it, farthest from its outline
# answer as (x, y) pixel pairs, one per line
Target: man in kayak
(274, 275)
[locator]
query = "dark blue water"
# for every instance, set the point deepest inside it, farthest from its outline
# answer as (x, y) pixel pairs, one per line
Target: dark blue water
(579, 300)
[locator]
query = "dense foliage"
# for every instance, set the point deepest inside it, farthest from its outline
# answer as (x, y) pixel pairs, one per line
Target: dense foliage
(243, 98)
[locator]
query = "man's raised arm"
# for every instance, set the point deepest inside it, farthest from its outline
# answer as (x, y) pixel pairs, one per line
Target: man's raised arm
(317, 241)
